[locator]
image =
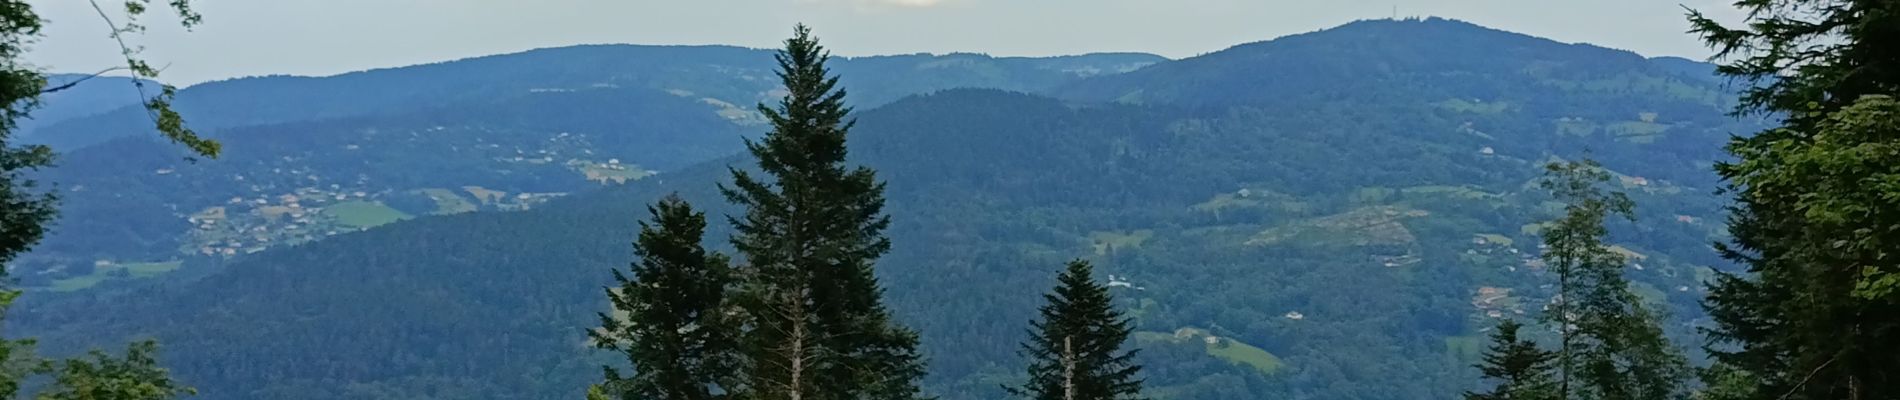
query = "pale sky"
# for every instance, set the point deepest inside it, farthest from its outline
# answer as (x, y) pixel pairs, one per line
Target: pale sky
(324, 37)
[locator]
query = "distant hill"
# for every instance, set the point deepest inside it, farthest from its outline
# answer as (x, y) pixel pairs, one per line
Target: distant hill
(733, 75)
(1520, 93)
(414, 136)
(92, 96)
(1280, 228)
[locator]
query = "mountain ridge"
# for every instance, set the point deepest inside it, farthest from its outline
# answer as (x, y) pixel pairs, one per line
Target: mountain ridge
(222, 104)
(1359, 240)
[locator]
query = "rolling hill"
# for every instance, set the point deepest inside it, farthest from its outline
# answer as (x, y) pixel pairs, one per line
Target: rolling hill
(726, 74)
(87, 96)
(436, 138)
(1334, 215)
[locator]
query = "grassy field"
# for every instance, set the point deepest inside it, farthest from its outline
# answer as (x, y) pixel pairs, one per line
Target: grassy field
(1241, 353)
(1255, 198)
(1496, 238)
(1460, 192)
(1365, 226)
(363, 214)
(1102, 240)
(1233, 351)
(1465, 347)
(1650, 294)
(1629, 255)
(101, 274)
(447, 202)
(485, 195)
(604, 173)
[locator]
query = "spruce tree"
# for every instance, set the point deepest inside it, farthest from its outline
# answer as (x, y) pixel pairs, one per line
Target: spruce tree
(1610, 346)
(810, 236)
(1817, 315)
(1075, 351)
(1521, 369)
(670, 318)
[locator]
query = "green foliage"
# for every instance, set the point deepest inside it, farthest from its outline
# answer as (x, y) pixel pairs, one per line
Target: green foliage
(24, 209)
(158, 107)
(17, 359)
(1814, 317)
(1844, 180)
(670, 320)
(1611, 346)
(1075, 348)
(100, 376)
(810, 237)
(1522, 370)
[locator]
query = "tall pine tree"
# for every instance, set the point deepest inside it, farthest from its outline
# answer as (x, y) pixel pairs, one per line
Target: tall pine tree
(670, 318)
(1522, 370)
(811, 234)
(1816, 220)
(1075, 351)
(1611, 347)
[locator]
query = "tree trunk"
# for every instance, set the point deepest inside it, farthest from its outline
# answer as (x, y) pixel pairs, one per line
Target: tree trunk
(1068, 368)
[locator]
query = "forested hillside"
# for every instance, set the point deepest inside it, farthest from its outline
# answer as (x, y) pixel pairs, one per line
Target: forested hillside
(1335, 215)
(733, 75)
(314, 157)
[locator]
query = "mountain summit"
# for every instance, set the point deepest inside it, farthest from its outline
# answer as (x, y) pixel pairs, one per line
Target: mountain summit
(1367, 59)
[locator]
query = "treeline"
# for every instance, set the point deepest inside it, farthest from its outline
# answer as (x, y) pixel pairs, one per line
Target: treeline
(1815, 222)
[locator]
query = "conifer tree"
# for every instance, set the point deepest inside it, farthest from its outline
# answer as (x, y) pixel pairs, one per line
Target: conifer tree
(1611, 347)
(1521, 369)
(1816, 219)
(670, 318)
(810, 235)
(1075, 351)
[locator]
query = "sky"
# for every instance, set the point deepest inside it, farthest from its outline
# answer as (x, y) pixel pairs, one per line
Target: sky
(325, 37)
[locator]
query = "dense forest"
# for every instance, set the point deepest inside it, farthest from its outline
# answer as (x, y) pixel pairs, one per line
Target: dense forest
(464, 135)
(1233, 222)
(1415, 208)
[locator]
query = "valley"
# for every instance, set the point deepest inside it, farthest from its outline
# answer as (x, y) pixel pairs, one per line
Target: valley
(1341, 214)
(300, 177)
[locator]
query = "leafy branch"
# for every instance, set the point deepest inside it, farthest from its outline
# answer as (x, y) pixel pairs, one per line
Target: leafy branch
(157, 107)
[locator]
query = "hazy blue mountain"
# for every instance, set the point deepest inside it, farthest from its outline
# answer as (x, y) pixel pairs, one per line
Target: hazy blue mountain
(1278, 228)
(93, 96)
(733, 75)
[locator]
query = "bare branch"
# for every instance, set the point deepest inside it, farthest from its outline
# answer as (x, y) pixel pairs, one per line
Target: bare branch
(1804, 381)
(76, 82)
(118, 35)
